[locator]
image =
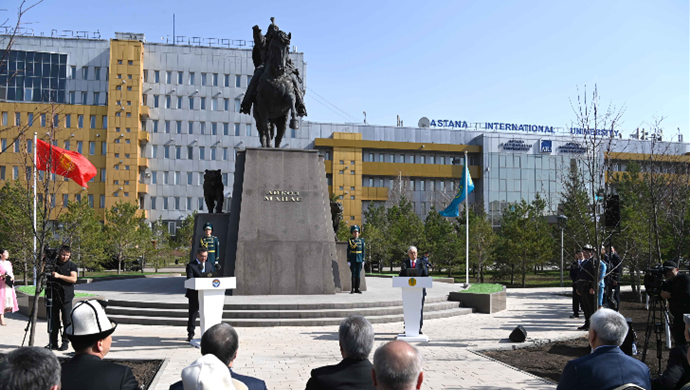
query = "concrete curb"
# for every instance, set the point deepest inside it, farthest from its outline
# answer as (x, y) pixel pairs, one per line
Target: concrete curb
(545, 381)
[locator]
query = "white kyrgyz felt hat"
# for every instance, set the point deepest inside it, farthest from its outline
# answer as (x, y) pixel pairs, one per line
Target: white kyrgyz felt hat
(207, 373)
(89, 320)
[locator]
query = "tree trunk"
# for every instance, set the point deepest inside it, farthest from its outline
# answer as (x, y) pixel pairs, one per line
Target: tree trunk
(524, 271)
(512, 274)
(119, 264)
(481, 273)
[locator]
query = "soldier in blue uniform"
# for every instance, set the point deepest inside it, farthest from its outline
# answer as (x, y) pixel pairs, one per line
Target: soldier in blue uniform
(210, 243)
(355, 258)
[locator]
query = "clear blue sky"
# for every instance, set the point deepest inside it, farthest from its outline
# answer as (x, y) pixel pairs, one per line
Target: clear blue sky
(480, 61)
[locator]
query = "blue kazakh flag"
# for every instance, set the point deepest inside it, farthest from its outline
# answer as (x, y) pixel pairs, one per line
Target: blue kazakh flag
(453, 208)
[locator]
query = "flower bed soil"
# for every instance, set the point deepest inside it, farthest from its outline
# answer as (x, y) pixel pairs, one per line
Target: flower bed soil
(548, 360)
(143, 370)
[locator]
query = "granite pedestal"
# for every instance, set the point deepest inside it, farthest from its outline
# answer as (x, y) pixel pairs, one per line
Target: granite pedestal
(280, 235)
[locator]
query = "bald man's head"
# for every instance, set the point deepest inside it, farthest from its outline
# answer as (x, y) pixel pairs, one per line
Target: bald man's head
(397, 366)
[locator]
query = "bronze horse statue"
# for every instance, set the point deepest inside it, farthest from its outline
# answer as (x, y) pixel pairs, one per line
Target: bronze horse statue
(275, 95)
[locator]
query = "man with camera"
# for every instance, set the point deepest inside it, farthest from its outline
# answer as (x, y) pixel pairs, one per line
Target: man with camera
(677, 290)
(62, 281)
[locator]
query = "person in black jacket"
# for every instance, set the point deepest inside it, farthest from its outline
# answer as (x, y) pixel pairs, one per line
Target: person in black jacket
(354, 372)
(198, 268)
(222, 341)
(677, 290)
(613, 284)
(422, 270)
(90, 333)
(677, 371)
(586, 283)
(574, 270)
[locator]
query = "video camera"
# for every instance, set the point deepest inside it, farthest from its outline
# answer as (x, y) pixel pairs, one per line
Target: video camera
(50, 256)
(654, 280)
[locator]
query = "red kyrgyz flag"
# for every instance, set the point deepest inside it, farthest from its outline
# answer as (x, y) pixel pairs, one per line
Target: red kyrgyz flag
(67, 163)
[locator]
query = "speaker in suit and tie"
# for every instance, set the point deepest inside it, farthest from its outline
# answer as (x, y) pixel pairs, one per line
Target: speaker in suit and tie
(198, 268)
(421, 269)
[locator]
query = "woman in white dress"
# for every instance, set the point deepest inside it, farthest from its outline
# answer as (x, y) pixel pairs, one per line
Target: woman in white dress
(8, 298)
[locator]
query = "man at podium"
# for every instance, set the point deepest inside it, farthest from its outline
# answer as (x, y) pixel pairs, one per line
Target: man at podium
(415, 267)
(197, 268)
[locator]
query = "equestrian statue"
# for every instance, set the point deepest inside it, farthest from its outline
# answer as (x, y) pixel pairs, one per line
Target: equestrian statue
(275, 87)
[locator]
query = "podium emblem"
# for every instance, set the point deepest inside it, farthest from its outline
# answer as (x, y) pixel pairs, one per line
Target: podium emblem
(216, 283)
(412, 282)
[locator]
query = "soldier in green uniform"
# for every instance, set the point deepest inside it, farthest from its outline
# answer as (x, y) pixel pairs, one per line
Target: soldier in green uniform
(210, 242)
(355, 257)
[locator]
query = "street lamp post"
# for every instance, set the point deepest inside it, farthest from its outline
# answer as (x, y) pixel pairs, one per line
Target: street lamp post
(562, 219)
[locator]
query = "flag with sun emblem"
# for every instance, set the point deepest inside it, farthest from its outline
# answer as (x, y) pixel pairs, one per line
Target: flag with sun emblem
(67, 163)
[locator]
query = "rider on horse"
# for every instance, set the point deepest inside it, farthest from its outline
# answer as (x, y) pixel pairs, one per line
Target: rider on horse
(259, 55)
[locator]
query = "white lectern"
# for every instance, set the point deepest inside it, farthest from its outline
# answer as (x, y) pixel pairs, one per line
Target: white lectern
(412, 305)
(211, 300)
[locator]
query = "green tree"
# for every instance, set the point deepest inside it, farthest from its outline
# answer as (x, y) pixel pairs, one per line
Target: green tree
(155, 243)
(16, 231)
(185, 233)
(121, 230)
(343, 233)
(83, 232)
(440, 236)
(482, 240)
(405, 228)
(374, 233)
(524, 237)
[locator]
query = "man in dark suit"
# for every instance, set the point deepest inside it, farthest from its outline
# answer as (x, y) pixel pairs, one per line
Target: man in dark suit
(574, 270)
(221, 340)
(607, 367)
(354, 372)
(585, 285)
(90, 333)
(422, 270)
(614, 278)
(198, 268)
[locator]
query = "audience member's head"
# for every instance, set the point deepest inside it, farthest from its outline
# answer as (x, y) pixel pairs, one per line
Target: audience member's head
(207, 373)
(397, 366)
(221, 341)
(607, 327)
(356, 338)
(91, 330)
(30, 368)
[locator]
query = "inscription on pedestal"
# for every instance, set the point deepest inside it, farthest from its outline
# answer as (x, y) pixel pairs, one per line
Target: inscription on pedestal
(282, 196)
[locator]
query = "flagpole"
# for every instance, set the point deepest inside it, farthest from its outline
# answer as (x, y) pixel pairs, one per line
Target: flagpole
(34, 175)
(467, 226)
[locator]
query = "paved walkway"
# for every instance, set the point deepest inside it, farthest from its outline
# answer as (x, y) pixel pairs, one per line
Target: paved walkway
(284, 356)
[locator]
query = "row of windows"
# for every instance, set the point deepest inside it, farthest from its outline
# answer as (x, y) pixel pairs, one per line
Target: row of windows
(66, 120)
(172, 151)
(200, 128)
(33, 76)
(206, 79)
(97, 71)
(413, 184)
(179, 203)
(409, 159)
(96, 101)
(177, 177)
(66, 145)
(176, 102)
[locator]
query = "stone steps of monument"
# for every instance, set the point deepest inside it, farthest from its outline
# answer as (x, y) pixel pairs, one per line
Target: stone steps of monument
(270, 306)
(268, 322)
(278, 314)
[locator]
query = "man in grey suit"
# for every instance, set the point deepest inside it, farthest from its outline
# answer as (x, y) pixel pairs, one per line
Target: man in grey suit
(354, 371)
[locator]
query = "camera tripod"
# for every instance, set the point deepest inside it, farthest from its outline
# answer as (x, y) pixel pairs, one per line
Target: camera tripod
(657, 314)
(49, 296)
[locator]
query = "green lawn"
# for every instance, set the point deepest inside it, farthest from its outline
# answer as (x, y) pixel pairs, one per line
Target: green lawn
(31, 290)
(484, 288)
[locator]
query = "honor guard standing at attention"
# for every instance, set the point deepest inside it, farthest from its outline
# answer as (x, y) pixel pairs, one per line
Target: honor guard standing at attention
(355, 258)
(210, 243)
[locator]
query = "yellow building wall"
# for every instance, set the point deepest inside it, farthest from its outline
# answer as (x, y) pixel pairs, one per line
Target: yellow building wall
(124, 136)
(126, 112)
(347, 148)
(347, 174)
